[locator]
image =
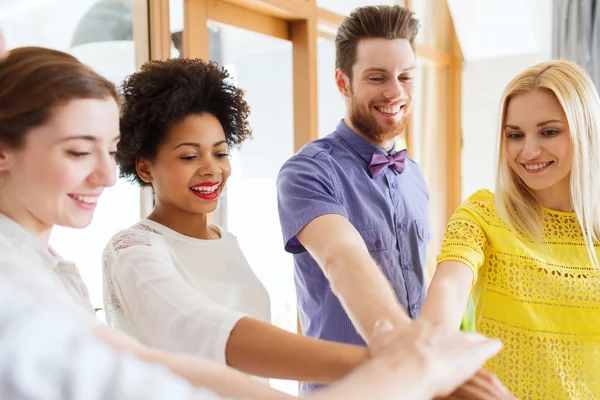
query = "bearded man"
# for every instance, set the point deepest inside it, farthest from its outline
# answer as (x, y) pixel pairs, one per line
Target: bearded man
(353, 207)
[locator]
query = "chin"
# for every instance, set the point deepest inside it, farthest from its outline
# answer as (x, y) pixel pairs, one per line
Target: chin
(76, 222)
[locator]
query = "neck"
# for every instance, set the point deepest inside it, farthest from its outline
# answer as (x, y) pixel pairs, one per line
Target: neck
(185, 223)
(555, 198)
(385, 145)
(23, 217)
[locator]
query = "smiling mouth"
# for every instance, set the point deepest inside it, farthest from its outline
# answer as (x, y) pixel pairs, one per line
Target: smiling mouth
(84, 199)
(538, 167)
(390, 110)
(206, 189)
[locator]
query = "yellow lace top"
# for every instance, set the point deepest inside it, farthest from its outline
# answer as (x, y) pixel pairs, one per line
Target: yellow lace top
(542, 302)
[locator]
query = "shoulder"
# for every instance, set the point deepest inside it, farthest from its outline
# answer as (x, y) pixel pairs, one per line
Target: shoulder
(481, 205)
(316, 154)
(483, 200)
(138, 235)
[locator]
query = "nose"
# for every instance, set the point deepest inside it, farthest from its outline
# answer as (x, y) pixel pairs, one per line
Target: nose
(531, 147)
(209, 168)
(104, 172)
(393, 90)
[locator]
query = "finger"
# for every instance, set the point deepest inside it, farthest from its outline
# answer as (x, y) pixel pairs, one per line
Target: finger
(487, 383)
(493, 380)
(472, 391)
(488, 348)
(475, 337)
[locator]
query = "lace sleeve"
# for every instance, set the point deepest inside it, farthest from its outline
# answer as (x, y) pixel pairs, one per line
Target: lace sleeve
(465, 239)
(139, 235)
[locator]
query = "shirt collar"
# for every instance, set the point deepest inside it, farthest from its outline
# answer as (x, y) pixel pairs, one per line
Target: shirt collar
(24, 242)
(363, 148)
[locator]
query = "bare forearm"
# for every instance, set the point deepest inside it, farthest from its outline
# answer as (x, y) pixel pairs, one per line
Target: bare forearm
(364, 291)
(447, 295)
(262, 349)
(357, 281)
(221, 380)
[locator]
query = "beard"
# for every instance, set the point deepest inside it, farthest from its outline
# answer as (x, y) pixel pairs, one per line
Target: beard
(367, 124)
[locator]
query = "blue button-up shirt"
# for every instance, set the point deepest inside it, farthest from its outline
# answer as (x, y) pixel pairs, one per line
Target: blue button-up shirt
(331, 176)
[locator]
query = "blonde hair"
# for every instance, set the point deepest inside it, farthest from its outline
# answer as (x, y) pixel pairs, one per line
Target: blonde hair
(579, 99)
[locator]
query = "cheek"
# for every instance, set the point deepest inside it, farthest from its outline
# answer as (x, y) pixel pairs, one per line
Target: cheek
(173, 177)
(225, 168)
(512, 150)
(60, 176)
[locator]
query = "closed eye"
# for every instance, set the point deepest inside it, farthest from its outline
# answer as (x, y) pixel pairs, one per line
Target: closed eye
(78, 154)
(550, 132)
(514, 135)
(188, 158)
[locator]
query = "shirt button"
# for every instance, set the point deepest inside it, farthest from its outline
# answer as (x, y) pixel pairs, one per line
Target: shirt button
(378, 243)
(401, 226)
(394, 185)
(326, 146)
(407, 267)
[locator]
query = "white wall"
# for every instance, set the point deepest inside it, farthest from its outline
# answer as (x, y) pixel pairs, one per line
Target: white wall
(485, 74)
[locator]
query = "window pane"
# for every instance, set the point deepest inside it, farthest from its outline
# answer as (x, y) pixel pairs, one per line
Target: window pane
(262, 67)
(100, 34)
(429, 144)
(331, 103)
(435, 23)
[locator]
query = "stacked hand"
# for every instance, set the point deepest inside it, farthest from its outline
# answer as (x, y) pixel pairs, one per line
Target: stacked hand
(451, 361)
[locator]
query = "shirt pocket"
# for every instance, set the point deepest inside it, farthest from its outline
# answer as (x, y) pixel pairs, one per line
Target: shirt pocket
(376, 239)
(423, 232)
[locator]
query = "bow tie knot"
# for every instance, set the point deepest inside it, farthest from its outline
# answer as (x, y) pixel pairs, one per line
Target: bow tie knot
(380, 162)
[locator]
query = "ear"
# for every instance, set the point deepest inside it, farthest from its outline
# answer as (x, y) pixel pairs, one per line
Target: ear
(343, 83)
(5, 157)
(143, 168)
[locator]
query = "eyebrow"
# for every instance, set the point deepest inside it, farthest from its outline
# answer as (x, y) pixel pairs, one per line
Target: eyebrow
(89, 138)
(538, 125)
(197, 145)
(379, 69)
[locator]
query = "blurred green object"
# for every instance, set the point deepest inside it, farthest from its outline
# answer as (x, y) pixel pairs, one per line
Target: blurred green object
(468, 321)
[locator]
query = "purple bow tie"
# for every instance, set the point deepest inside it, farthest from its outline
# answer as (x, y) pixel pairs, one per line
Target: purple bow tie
(380, 162)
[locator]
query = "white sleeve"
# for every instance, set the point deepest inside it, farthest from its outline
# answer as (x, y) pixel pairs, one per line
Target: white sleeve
(164, 308)
(46, 354)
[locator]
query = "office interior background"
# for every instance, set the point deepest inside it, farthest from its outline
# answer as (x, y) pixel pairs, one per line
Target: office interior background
(281, 52)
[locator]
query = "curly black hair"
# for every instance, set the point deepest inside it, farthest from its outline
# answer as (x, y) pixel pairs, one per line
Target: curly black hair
(163, 93)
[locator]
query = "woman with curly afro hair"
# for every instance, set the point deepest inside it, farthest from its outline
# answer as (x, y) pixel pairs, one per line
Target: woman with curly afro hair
(173, 280)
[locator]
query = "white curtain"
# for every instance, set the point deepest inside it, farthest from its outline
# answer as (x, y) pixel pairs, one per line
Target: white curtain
(577, 34)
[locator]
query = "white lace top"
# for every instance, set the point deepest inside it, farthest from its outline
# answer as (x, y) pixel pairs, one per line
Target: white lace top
(178, 293)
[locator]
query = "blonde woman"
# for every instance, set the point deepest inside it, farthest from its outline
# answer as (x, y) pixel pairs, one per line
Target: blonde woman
(529, 253)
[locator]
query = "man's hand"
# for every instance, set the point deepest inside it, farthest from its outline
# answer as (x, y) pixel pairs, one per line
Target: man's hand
(448, 357)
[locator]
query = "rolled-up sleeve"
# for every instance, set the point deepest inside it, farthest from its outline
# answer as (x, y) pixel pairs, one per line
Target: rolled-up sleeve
(167, 310)
(306, 189)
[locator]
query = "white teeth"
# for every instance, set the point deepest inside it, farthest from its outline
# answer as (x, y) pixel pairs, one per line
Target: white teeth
(389, 110)
(205, 189)
(85, 199)
(533, 167)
